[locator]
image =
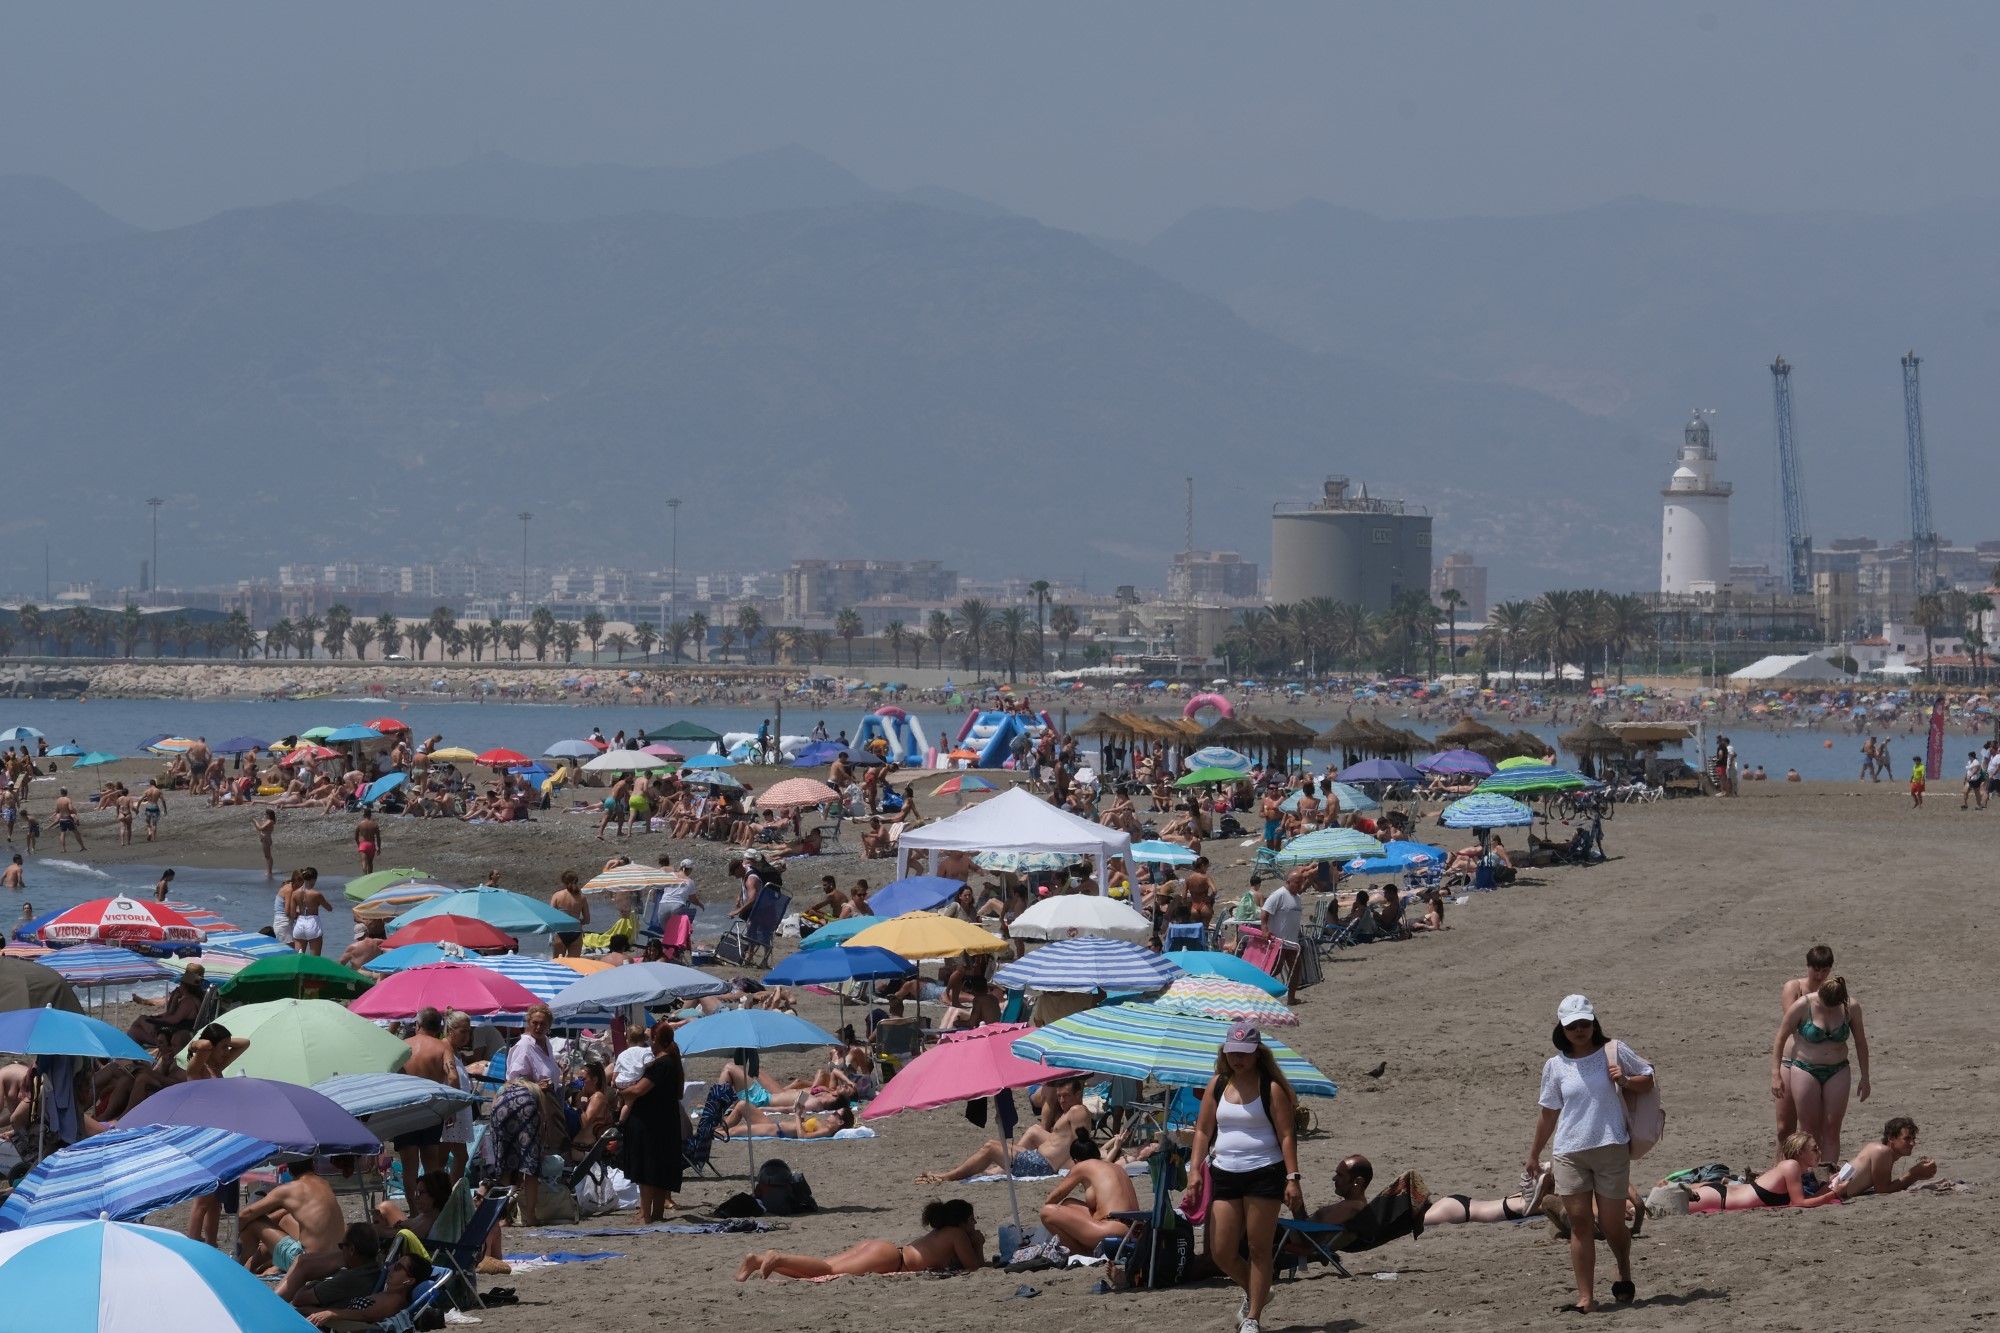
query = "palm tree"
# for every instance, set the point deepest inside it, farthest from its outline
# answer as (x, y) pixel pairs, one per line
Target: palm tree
(307, 629)
(567, 636)
(476, 637)
(1352, 636)
(1405, 623)
(129, 622)
(361, 634)
(279, 636)
(973, 617)
(895, 633)
(541, 631)
(1628, 622)
(73, 626)
(749, 624)
(1041, 588)
(514, 634)
(697, 627)
(1451, 599)
(1507, 628)
(847, 624)
(241, 637)
(421, 635)
(389, 633)
(725, 639)
(817, 642)
(182, 633)
(618, 643)
(338, 618)
(644, 636)
(1065, 622)
(677, 637)
(456, 638)
(938, 630)
(593, 629)
(441, 622)
(1012, 633)
(1977, 607)
(29, 617)
(1559, 627)
(1930, 616)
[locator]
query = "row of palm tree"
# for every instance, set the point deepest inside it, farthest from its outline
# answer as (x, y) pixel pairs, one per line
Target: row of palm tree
(1955, 614)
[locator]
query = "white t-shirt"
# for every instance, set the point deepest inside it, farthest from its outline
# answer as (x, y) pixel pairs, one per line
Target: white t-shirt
(1993, 765)
(630, 1064)
(1974, 769)
(1285, 909)
(1591, 1110)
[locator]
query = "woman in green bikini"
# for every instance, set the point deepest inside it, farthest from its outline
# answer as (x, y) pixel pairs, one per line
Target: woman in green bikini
(1816, 1072)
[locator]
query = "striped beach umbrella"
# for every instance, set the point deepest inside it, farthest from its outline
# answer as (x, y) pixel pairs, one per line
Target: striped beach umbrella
(105, 966)
(392, 1104)
(123, 1174)
(1332, 844)
(1532, 778)
(242, 943)
(1487, 810)
(1217, 997)
(1145, 1041)
(544, 978)
(1162, 853)
(795, 792)
(112, 1277)
(634, 878)
(1088, 963)
(1220, 756)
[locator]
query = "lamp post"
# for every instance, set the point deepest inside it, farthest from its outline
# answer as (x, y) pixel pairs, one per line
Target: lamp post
(153, 578)
(524, 516)
(674, 569)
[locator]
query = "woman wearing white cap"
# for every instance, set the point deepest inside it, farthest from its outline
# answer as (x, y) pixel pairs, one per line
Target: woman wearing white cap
(1249, 1115)
(1583, 1109)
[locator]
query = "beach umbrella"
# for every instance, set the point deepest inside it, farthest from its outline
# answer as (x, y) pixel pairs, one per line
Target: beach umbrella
(1487, 810)
(350, 735)
(681, 731)
(571, 750)
(1353, 800)
(305, 1041)
(515, 913)
(88, 965)
(1163, 853)
(543, 978)
(1208, 777)
(28, 984)
(123, 919)
(928, 935)
(752, 1030)
(1332, 844)
(454, 754)
(1396, 857)
(304, 975)
(634, 983)
(1088, 963)
(388, 726)
(16, 735)
(501, 757)
(828, 966)
(1380, 770)
(60, 1032)
(110, 1277)
(240, 745)
(709, 761)
(584, 967)
(167, 745)
(964, 784)
(626, 761)
(406, 956)
(309, 754)
(840, 931)
(634, 879)
(795, 792)
(663, 750)
(916, 893)
(382, 786)
(65, 751)
(1145, 1041)
(476, 990)
(1220, 756)
(1533, 778)
(1068, 914)
(463, 931)
(1457, 761)
(1217, 997)
(362, 886)
(1520, 761)
(1024, 863)
(316, 734)
(401, 897)
(241, 944)
(96, 757)
(298, 1121)
(123, 1174)
(393, 1104)
(1213, 963)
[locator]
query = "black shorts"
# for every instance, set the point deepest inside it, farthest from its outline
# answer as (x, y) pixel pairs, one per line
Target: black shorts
(1265, 1182)
(421, 1138)
(568, 937)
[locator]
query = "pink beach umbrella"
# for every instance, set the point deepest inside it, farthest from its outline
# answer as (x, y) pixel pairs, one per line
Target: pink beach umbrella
(476, 990)
(662, 750)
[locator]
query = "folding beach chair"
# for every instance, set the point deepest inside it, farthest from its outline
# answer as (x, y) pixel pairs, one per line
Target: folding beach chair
(1317, 1238)
(1148, 1229)
(700, 1147)
(1187, 935)
(460, 1256)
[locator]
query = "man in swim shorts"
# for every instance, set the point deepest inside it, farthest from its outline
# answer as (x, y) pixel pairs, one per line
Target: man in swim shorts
(367, 841)
(295, 1229)
(66, 820)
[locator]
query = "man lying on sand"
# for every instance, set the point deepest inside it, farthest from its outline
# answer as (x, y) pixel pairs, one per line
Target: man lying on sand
(1869, 1172)
(950, 1245)
(1042, 1149)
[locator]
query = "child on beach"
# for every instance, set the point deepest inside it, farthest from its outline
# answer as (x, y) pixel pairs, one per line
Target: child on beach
(1916, 784)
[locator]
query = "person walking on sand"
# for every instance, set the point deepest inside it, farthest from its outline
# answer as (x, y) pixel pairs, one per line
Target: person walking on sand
(266, 824)
(1249, 1118)
(1916, 784)
(367, 841)
(152, 802)
(66, 820)
(1583, 1110)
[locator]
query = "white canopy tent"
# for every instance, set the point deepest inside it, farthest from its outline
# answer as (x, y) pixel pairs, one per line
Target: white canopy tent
(1016, 821)
(1803, 667)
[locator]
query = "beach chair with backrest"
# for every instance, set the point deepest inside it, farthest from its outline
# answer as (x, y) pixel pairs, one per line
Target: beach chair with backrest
(1316, 1238)
(700, 1147)
(897, 1042)
(460, 1255)
(1187, 935)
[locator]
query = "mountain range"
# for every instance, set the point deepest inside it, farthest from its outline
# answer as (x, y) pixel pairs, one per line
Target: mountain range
(395, 367)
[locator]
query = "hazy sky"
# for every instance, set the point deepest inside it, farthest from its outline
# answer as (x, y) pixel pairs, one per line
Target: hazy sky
(1113, 118)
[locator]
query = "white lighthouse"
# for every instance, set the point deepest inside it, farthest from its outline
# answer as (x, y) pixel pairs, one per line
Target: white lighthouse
(1694, 524)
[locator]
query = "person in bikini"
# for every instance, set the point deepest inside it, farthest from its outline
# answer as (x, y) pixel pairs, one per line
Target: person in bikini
(950, 1244)
(367, 841)
(1819, 968)
(307, 902)
(1783, 1186)
(1816, 1073)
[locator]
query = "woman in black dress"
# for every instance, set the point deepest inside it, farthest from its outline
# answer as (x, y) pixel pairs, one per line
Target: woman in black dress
(650, 1152)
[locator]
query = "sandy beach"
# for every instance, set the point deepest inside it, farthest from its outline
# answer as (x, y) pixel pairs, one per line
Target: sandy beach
(1682, 939)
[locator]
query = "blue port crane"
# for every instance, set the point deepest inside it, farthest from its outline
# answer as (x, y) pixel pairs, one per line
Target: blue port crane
(1923, 536)
(1798, 537)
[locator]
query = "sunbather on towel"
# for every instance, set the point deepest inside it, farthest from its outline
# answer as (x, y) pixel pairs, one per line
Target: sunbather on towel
(1042, 1150)
(820, 1123)
(1405, 1208)
(951, 1244)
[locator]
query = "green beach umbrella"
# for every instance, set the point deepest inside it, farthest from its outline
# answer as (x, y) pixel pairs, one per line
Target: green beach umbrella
(316, 734)
(309, 1041)
(1205, 777)
(1519, 781)
(294, 976)
(1520, 761)
(365, 886)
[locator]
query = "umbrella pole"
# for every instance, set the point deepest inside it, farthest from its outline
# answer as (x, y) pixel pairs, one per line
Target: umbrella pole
(1007, 1167)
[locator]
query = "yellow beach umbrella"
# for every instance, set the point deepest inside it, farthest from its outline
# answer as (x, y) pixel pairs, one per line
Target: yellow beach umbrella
(585, 966)
(917, 935)
(454, 754)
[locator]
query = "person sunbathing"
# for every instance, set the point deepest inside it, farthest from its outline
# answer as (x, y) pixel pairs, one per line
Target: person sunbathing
(295, 1229)
(1869, 1172)
(1042, 1149)
(951, 1244)
(1783, 1186)
(816, 1116)
(405, 1276)
(1081, 1224)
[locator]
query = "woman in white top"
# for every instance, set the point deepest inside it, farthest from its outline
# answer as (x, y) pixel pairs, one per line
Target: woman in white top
(1583, 1110)
(1249, 1116)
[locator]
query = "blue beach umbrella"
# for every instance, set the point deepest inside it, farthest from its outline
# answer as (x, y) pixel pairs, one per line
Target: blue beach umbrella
(1396, 857)
(299, 1121)
(918, 893)
(1332, 844)
(113, 1277)
(1457, 761)
(1487, 810)
(1213, 963)
(65, 751)
(124, 1174)
(515, 913)
(571, 750)
(15, 735)
(544, 977)
(1155, 852)
(752, 1030)
(382, 786)
(406, 956)
(96, 757)
(840, 963)
(835, 933)
(635, 983)
(393, 1104)
(709, 761)
(1219, 756)
(348, 735)
(1145, 1041)
(59, 1032)
(1088, 963)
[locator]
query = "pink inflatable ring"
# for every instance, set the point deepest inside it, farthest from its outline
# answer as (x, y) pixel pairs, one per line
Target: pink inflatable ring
(1221, 705)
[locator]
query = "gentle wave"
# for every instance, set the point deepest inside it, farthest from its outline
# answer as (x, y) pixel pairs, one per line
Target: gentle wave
(74, 868)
